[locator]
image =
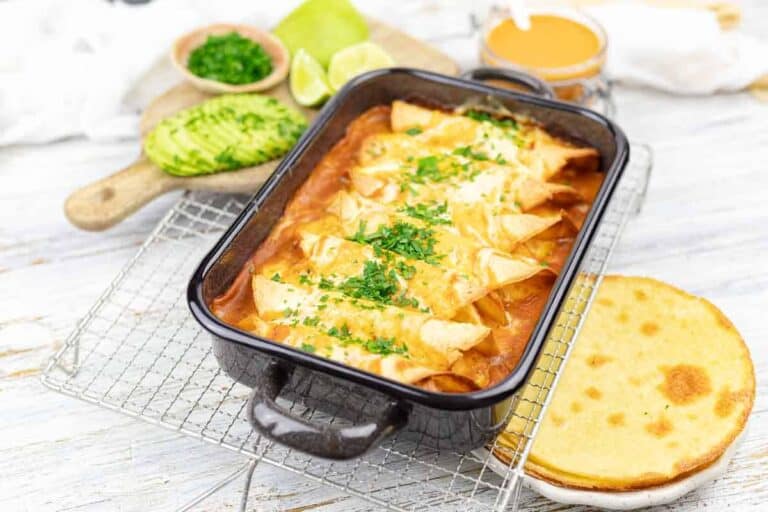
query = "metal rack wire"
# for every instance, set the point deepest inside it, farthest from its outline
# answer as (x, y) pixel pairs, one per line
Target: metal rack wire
(138, 351)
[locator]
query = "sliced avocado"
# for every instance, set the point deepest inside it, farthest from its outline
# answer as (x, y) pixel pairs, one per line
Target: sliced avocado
(206, 141)
(235, 147)
(224, 133)
(165, 153)
(173, 150)
(193, 152)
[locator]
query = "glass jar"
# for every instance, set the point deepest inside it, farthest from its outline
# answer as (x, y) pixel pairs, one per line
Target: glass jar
(582, 83)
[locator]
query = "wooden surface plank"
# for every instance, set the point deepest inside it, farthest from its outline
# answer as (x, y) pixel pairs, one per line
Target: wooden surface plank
(704, 228)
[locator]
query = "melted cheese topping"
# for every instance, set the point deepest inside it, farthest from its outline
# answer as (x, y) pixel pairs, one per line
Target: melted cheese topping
(418, 265)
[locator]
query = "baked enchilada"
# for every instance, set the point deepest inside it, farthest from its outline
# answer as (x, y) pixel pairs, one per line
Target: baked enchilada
(422, 247)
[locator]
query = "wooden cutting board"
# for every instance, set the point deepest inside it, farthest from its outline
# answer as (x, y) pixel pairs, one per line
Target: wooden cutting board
(106, 202)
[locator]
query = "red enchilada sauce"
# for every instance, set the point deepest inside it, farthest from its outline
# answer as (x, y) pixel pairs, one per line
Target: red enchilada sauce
(494, 358)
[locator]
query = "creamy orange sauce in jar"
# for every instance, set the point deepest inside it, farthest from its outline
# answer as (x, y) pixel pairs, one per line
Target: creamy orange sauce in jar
(566, 48)
(551, 42)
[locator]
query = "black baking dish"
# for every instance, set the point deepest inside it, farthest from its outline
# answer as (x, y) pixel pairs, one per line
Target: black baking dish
(373, 406)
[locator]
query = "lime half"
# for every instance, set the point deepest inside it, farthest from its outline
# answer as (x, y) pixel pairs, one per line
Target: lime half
(309, 85)
(355, 60)
(322, 27)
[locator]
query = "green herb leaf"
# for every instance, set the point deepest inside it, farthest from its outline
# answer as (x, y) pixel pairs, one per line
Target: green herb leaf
(402, 238)
(402, 301)
(230, 59)
(384, 346)
(468, 152)
(405, 270)
(488, 118)
(427, 169)
(311, 321)
(306, 347)
(341, 333)
(432, 213)
(377, 283)
(378, 345)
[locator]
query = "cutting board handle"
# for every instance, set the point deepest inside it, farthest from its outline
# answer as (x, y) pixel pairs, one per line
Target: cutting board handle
(106, 202)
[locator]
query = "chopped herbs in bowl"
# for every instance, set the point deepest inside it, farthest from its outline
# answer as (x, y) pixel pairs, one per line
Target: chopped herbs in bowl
(231, 59)
(228, 58)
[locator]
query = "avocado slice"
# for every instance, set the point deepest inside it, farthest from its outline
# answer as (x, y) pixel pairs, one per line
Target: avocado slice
(163, 151)
(224, 133)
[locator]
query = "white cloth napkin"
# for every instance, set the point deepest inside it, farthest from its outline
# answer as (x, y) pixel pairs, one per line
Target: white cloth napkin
(679, 50)
(87, 67)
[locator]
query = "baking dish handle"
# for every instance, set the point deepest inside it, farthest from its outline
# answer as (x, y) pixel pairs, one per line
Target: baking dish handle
(531, 83)
(321, 440)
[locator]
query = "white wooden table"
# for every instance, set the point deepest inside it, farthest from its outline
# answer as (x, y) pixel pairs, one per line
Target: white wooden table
(704, 228)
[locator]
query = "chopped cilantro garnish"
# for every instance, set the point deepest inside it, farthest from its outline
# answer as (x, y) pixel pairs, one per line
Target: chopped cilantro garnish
(231, 59)
(405, 270)
(384, 346)
(325, 283)
(468, 152)
(441, 168)
(288, 312)
(463, 151)
(306, 347)
(402, 301)
(377, 345)
(342, 333)
(402, 238)
(377, 283)
(276, 278)
(427, 169)
(432, 213)
(414, 131)
(311, 321)
(488, 118)
(304, 279)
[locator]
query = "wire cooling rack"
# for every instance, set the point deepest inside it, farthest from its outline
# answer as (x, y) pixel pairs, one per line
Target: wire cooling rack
(138, 351)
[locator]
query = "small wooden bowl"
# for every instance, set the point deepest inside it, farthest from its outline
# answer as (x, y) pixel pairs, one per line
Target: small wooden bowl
(187, 43)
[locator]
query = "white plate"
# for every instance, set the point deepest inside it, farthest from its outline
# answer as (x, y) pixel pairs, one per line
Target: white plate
(623, 500)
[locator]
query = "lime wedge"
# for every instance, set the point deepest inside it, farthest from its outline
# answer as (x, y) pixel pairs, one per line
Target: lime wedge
(309, 85)
(355, 60)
